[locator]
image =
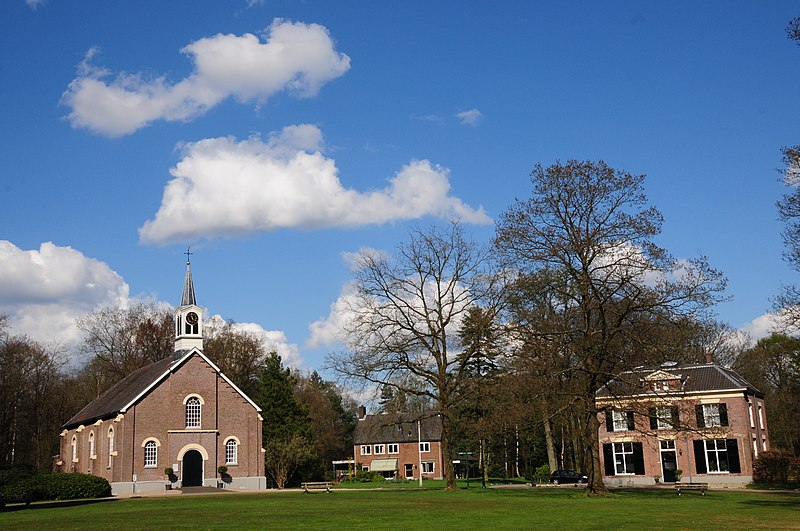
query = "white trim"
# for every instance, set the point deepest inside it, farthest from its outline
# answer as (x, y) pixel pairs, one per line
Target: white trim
(192, 446)
(173, 367)
(193, 395)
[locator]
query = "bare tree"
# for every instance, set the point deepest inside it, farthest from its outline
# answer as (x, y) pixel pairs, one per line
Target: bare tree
(120, 341)
(406, 316)
(588, 232)
(283, 455)
(239, 354)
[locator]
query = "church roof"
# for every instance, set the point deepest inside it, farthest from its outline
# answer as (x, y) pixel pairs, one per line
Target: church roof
(398, 428)
(694, 379)
(136, 385)
(187, 298)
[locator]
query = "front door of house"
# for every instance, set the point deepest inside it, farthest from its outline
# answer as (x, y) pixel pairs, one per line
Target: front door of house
(192, 469)
(669, 463)
(409, 470)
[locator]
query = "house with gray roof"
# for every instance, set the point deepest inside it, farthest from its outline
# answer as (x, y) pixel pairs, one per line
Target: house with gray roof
(700, 423)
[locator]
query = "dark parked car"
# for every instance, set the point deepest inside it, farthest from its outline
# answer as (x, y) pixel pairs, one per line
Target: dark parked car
(567, 476)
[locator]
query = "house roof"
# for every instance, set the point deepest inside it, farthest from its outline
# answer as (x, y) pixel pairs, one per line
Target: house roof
(127, 392)
(693, 378)
(398, 428)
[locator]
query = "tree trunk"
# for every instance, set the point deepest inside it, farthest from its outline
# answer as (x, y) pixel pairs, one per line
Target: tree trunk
(548, 438)
(592, 455)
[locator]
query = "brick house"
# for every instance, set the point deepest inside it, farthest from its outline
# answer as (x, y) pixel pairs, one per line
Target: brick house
(704, 420)
(180, 412)
(399, 444)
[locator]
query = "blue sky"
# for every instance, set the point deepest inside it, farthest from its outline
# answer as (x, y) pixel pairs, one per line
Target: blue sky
(279, 137)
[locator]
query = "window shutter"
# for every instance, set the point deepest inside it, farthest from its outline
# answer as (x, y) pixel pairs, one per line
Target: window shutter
(608, 459)
(638, 459)
(653, 420)
(675, 417)
(723, 414)
(733, 456)
(609, 420)
(629, 414)
(698, 409)
(700, 457)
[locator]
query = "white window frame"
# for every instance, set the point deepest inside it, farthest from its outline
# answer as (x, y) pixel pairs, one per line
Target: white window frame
(379, 449)
(623, 459)
(424, 447)
(619, 420)
(393, 448)
(664, 418)
(366, 449)
(711, 417)
(92, 449)
(150, 454)
(194, 412)
(428, 467)
(110, 447)
(716, 448)
(760, 416)
(231, 452)
(74, 449)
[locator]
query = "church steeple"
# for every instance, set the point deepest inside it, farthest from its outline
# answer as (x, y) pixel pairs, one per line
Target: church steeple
(188, 316)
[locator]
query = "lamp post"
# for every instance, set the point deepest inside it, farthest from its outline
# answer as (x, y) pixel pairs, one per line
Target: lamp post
(419, 449)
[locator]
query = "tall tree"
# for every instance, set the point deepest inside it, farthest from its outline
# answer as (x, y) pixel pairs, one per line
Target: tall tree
(406, 315)
(239, 354)
(121, 340)
(588, 228)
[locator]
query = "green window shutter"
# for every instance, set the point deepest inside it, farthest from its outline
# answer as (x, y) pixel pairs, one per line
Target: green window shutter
(629, 415)
(609, 420)
(638, 459)
(675, 417)
(608, 459)
(651, 412)
(698, 410)
(723, 414)
(733, 456)
(700, 457)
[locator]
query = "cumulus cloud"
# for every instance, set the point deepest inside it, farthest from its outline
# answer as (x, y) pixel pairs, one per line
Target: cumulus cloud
(271, 340)
(296, 57)
(762, 326)
(470, 117)
(43, 291)
(224, 187)
(34, 4)
(328, 331)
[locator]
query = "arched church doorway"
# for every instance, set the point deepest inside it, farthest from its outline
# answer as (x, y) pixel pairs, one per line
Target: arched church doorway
(192, 469)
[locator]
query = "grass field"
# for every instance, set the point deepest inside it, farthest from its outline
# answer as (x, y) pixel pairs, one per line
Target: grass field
(540, 508)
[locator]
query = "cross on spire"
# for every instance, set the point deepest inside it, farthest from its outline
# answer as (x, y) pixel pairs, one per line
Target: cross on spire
(188, 253)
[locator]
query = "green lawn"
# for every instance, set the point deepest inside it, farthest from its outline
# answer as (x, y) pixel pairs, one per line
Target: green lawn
(561, 508)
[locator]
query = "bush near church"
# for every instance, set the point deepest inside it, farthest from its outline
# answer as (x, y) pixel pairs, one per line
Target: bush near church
(23, 481)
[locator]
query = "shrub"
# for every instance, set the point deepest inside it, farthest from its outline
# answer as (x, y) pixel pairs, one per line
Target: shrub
(773, 468)
(542, 474)
(49, 486)
(378, 478)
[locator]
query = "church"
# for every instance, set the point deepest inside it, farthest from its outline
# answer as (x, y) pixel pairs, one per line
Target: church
(180, 413)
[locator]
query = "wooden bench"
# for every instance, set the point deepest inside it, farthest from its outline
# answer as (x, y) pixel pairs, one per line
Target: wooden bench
(4, 499)
(702, 487)
(320, 485)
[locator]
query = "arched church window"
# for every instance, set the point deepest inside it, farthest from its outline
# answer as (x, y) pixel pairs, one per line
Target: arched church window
(150, 454)
(193, 412)
(91, 445)
(231, 452)
(110, 447)
(74, 449)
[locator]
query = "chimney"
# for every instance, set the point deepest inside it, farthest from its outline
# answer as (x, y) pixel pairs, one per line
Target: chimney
(710, 358)
(362, 412)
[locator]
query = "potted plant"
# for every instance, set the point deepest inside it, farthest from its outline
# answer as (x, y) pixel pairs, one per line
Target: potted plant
(223, 474)
(678, 473)
(657, 479)
(170, 477)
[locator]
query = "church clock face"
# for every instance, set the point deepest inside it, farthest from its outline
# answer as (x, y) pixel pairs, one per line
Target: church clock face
(191, 318)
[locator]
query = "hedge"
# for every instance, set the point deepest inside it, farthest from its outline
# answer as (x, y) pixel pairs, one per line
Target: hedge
(50, 486)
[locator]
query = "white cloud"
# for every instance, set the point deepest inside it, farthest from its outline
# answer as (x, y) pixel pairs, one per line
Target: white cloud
(43, 291)
(271, 340)
(34, 4)
(329, 330)
(296, 57)
(470, 117)
(762, 326)
(222, 187)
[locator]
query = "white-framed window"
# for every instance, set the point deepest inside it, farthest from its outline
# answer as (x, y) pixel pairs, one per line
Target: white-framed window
(366, 449)
(92, 454)
(231, 452)
(365, 468)
(424, 447)
(763, 443)
(394, 448)
(110, 447)
(711, 415)
(755, 446)
(623, 458)
(74, 449)
(193, 412)
(750, 412)
(716, 455)
(427, 467)
(663, 418)
(621, 420)
(150, 454)
(761, 416)
(379, 449)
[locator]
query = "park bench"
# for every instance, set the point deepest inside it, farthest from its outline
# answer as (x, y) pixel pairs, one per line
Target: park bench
(4, 499)
(702, 487)
(319, 485)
